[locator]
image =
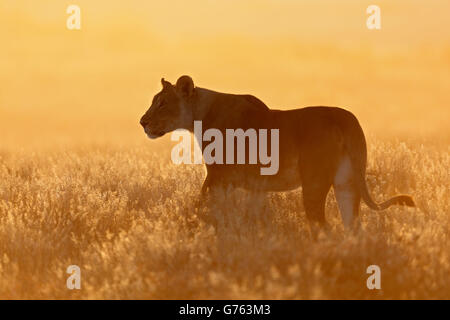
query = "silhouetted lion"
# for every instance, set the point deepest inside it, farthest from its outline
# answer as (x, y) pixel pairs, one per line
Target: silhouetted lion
(319, 147)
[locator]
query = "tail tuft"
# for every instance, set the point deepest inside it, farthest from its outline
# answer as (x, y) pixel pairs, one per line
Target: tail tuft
(405, 200)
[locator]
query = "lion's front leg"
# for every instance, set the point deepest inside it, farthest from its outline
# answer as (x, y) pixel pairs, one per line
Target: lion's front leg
(205, 188)
(212, 186)
(208, 187)
(206, 203)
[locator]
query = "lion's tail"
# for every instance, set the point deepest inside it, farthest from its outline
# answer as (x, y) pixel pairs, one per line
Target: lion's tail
(403, 200)
(357, 149)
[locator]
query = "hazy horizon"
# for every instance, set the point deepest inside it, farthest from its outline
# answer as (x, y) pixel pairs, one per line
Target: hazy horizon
(290, 54)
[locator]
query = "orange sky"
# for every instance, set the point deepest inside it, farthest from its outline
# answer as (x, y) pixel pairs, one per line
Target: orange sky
(290, 53)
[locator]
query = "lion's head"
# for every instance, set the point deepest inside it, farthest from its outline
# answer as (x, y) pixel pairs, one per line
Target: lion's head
(170, 109)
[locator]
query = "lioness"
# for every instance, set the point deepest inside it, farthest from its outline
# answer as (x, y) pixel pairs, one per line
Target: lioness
(319, 147)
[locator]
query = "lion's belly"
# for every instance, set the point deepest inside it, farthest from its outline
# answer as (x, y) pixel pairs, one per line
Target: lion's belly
(288, 178)
(250, 177)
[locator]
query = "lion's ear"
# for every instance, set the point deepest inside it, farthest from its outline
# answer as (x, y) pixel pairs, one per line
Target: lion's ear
(165, 83)
(185, 86)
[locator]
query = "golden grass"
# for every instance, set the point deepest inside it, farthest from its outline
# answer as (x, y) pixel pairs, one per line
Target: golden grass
(126, 216)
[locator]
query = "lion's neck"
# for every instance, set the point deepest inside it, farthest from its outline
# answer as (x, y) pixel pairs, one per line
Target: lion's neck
(203, 103)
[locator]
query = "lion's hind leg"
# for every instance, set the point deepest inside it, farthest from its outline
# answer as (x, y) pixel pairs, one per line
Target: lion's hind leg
(347, 194)
(315, 189)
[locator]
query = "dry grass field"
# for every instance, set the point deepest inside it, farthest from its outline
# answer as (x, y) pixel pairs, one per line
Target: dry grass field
(127, 218)
(80, 184)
